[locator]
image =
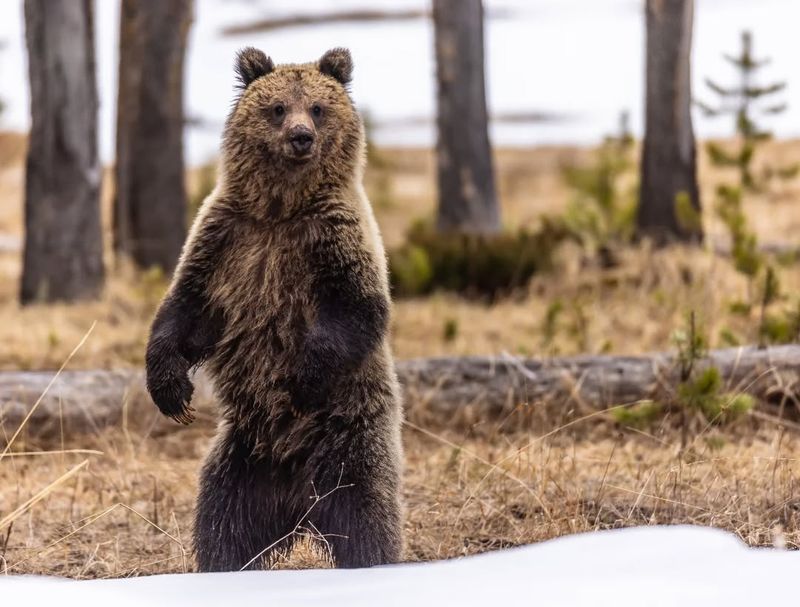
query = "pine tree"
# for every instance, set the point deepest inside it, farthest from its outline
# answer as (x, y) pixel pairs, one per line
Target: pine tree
(748, 101)
(745, 101)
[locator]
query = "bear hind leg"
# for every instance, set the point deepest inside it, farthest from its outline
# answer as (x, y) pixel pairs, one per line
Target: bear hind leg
(361, 526)
(239, 523)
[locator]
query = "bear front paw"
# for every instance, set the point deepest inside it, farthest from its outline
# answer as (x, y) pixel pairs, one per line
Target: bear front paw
(171, 390)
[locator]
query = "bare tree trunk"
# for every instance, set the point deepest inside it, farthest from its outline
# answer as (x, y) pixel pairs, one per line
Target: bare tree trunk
(669, 166)
(467, 197)
(150, 219)
(63, 258)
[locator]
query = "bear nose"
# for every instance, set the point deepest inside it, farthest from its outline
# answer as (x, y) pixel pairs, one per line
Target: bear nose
(301, 140)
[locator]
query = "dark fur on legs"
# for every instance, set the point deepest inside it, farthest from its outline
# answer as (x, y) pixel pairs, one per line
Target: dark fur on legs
(359, 523)
(242, 520)
(250, 509)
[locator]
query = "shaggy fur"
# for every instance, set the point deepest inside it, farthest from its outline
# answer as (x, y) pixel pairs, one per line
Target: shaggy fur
(282, 292)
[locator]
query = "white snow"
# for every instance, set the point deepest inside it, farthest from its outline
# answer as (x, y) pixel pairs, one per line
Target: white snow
(643, 566)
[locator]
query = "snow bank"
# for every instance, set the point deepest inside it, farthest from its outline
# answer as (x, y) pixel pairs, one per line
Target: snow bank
(643, 566)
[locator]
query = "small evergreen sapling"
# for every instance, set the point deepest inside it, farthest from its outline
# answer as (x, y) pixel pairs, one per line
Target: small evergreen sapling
(699, 398)
(743, 101)
(700, 387)
(746, 101)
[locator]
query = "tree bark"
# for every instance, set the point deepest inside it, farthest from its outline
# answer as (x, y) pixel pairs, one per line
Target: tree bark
(669, 163)
(467, 196)
(150, 210)
(454, 391)
(63, 256)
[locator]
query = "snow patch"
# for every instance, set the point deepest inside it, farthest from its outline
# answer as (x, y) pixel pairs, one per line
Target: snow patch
(656, 566)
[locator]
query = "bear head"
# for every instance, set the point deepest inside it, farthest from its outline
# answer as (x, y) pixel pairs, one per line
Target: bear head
(294, 123)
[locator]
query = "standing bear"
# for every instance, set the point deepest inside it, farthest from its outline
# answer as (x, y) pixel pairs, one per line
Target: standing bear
(282, 292)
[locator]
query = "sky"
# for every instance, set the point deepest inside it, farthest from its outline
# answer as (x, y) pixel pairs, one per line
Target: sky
(582, 59)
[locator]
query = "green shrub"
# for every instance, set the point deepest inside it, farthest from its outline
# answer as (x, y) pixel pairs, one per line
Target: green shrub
(411, 271)
(701, 389)
(714, 443)
(728, 338)
(639, 415)
(703, 394)
(602, 214)
(689, 218)
(747, 259)
(700, 393)
(727, 408)
(740, 308)
(780, 328)
(472, 265)
(450, 329)
(550, 322)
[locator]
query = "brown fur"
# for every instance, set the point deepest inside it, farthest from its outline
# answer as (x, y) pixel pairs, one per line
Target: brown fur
(282, 290)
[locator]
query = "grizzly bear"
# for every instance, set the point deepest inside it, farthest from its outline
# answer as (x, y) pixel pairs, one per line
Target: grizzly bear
(282, 292)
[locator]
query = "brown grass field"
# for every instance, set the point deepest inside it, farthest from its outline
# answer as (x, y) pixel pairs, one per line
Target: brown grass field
(121, 504)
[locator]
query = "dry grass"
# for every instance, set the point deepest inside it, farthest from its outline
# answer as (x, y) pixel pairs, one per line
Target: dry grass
(630, 309)
(127, 510)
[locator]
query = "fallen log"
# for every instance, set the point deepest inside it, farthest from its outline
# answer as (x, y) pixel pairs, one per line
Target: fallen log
(446, 390)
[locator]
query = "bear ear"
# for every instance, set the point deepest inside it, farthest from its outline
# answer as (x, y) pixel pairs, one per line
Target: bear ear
(338, 64)
(251, 63)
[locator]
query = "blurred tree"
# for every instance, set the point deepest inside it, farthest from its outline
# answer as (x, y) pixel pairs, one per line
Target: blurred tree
(741, 102)
(467, 197)
(150, 210)
(63, 258)
(669, 158)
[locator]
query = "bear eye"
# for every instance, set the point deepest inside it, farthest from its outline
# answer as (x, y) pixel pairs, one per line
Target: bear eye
(316, 110)
(279, 110)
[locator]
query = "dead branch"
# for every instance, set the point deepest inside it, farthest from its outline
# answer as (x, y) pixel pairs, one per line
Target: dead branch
(326, 18)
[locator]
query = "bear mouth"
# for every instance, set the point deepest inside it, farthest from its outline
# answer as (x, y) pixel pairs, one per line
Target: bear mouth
(301, 158)
(298, 158)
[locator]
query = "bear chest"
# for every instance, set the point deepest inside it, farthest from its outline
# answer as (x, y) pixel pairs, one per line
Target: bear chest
(262, 278)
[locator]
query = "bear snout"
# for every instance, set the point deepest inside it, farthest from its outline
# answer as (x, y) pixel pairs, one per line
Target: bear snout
(301, 139)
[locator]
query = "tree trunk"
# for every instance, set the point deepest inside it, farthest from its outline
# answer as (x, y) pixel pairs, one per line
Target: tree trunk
(461, 391)
(63, 258)
(669, 165)
(467, 197)
(150, 208)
